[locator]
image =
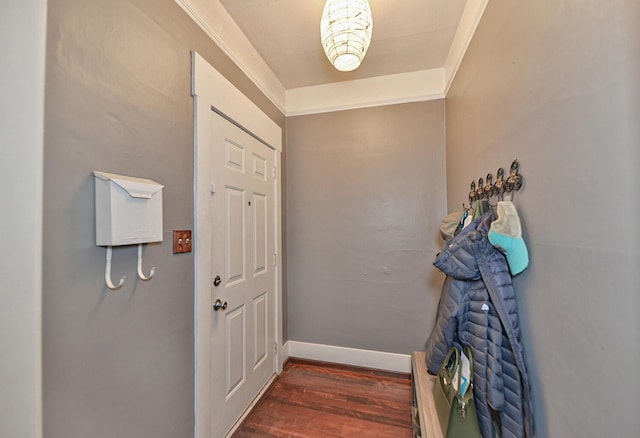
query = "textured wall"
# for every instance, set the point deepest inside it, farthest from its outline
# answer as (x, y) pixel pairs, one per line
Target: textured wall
(120, 363)
(365, 196)
(555, 83)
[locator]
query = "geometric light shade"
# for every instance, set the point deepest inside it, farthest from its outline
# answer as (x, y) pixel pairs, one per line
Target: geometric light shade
(345, 32)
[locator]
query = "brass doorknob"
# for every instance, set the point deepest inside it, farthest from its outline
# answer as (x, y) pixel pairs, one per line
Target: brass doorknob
(219, 305)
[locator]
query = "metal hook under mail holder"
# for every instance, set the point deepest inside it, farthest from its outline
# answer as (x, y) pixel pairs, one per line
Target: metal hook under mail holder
(128, 212)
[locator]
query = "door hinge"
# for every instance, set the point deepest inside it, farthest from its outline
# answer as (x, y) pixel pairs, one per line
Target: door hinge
(274, 172)
(275, 259)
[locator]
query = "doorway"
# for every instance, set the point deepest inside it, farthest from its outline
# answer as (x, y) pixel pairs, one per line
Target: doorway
(237, 251)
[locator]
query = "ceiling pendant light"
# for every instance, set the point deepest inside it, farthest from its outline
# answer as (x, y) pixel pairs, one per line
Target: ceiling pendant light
(345, 32)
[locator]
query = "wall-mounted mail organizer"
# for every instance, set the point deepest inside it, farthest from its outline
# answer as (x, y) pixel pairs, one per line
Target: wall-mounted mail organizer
(128, 212)
(487, 188)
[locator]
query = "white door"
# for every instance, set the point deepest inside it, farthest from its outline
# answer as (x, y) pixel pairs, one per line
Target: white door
(242, 268)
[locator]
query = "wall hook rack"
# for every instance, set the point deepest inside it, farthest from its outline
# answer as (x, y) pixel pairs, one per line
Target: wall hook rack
(107, 272)
(140, 273)
(501, 186)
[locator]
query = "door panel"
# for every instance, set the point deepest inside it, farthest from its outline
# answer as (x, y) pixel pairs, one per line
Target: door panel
(236, 360)
(259, 167)
(235, 230)
(234, 155)
(261, 329)
(242, 244)
(259, 233)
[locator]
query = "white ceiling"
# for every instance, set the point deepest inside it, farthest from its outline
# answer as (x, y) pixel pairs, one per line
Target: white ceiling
(415, 51)
(408, 36)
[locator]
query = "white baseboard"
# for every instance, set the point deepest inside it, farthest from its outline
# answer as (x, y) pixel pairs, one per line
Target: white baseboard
(349, 356)
(283, 355)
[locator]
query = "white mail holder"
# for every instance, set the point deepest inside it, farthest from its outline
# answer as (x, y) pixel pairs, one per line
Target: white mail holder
(128, 212)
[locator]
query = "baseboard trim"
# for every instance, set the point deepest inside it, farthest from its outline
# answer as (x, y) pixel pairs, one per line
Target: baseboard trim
(349, 356)
(283, 355)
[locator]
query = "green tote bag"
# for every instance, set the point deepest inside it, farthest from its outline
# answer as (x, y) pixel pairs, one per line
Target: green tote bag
(456, 412)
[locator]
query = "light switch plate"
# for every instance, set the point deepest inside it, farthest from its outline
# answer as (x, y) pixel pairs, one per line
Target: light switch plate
(181, 241)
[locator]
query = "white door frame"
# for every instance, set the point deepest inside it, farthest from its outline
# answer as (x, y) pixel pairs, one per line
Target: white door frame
(212, 90)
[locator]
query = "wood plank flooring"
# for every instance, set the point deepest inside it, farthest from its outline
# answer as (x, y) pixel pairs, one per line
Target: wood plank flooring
(314, 399)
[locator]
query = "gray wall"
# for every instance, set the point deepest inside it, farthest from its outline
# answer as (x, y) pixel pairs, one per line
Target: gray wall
(555, 83)
(365, 195)
(120, 363)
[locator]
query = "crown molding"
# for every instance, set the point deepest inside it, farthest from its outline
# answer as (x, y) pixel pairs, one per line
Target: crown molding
(216, 22)
(418, 86)
(473, 11)
(365, 93)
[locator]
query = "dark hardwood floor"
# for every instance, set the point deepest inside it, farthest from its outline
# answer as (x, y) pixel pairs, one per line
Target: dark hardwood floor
(313, 399)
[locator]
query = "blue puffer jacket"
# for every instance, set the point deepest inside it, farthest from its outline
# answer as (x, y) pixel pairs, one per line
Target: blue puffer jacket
(478, 308)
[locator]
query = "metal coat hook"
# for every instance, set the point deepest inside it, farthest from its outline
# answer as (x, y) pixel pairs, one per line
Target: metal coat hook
(472, 192)
(514, 181)
(499, 185)
(140, 274)
(480, 190)
(107, 273)
(489, 188)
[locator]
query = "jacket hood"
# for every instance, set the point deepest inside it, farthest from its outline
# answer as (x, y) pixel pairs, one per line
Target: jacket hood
(457, 258)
